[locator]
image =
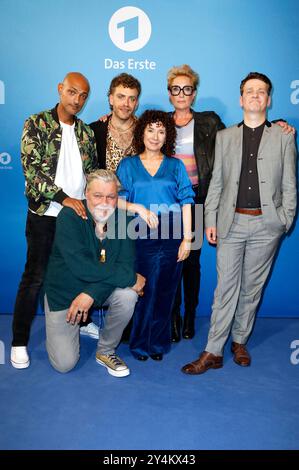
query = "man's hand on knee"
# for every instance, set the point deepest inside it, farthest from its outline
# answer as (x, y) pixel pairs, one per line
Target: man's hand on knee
(79, 308)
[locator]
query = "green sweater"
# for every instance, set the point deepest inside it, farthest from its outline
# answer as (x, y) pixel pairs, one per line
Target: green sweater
(74, 265)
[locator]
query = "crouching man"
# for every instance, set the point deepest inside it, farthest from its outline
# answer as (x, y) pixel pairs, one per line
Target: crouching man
(91, 264)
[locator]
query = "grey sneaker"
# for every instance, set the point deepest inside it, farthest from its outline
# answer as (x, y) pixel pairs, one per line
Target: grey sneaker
(114, 364)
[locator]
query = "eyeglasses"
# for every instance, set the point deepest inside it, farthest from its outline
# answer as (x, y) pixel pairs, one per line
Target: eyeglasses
(175, 90)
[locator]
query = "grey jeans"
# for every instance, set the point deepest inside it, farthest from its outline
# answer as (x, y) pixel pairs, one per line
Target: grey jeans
(62, 342)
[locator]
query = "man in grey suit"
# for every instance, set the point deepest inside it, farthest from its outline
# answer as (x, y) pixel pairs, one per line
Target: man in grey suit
(251, 202)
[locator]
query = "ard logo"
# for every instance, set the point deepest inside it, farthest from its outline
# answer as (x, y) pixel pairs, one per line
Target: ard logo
(5, 158)
(130, 29)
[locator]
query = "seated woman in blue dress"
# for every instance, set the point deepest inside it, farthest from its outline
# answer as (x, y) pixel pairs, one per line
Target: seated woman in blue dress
(159, 183)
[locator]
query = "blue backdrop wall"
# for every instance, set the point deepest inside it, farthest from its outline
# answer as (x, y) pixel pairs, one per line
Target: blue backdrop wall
(41, 40)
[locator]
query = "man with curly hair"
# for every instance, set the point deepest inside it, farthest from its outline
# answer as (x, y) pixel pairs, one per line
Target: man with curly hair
(114, 133)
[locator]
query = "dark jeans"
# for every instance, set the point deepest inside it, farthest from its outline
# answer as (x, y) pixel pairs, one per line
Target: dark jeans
(40, 231)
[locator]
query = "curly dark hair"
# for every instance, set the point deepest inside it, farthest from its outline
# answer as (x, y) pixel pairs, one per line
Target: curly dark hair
(153, 116)
(127, 81)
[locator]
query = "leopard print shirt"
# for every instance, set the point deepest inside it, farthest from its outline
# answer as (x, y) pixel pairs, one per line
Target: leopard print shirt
(116, 149)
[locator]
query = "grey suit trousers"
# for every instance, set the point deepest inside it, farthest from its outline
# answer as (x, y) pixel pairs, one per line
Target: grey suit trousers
(244, 259)
(63, 344)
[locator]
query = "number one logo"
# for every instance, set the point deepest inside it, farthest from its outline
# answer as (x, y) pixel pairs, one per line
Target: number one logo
(130, 28)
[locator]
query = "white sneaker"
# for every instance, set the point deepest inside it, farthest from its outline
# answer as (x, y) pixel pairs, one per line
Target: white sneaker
(114, 364)
(19, 357)
(91, 330)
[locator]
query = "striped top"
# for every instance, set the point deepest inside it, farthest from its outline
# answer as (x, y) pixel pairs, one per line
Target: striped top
(184, 150)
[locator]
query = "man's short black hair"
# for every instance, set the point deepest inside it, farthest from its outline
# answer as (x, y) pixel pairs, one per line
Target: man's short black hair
(258, 76)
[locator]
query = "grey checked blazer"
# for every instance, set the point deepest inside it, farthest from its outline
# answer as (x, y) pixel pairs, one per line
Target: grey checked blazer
(276, 165)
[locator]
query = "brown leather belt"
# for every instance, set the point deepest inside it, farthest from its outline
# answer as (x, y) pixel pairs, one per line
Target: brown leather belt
(240, 210)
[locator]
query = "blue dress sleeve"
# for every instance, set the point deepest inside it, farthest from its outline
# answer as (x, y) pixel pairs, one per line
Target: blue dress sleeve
(124, 178)
(185, 193)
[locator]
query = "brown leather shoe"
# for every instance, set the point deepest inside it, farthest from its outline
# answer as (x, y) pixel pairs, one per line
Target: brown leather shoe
(241, 355)
(205, 362)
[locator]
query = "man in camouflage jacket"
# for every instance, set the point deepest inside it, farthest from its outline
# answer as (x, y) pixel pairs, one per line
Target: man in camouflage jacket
(52, 143)
(40, 147)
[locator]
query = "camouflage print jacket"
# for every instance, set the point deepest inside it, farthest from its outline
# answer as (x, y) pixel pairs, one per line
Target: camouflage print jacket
(40, 147)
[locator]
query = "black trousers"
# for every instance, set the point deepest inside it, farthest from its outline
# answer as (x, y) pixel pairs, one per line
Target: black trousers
(190, 278)
(40, 231)
(191, 283)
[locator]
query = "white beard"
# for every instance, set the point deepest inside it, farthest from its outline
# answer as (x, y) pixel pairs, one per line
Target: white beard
(101, 213)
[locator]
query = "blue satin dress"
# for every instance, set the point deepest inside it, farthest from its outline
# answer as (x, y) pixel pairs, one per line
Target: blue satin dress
(156, 251)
